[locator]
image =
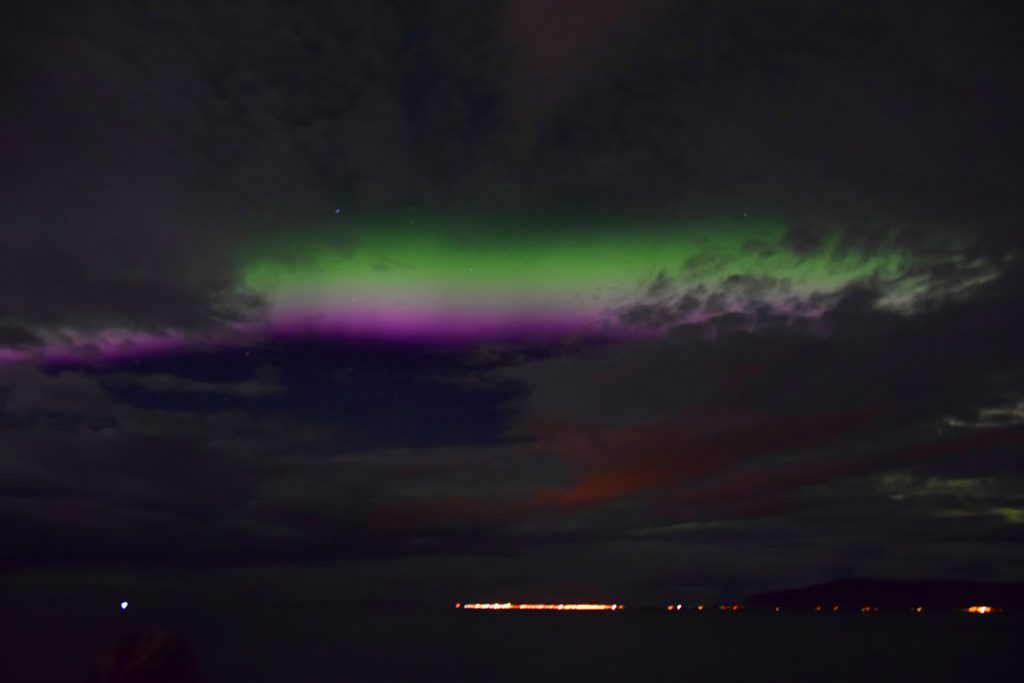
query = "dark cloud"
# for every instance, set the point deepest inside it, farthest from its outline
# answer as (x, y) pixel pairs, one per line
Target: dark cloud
(734, 427)
(557, 48)
(89, 475)
(655, 457)
(145, 145)
(165, 383)
(703, 442)
(945, 360)
(17, 337)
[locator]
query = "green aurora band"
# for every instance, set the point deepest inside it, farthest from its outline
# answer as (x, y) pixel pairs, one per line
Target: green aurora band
(467, 278)
(458, 279)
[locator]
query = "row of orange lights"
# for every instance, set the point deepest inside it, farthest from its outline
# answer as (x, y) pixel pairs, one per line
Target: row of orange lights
(572, 606)
(981, 609)
(866, 609)
(599, 607)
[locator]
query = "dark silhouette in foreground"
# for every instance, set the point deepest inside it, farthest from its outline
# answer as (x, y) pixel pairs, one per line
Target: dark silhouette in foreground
(150, 657)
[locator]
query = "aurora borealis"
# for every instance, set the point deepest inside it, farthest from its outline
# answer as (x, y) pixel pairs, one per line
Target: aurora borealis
(501, 302)
(451, 279)
(462, 278)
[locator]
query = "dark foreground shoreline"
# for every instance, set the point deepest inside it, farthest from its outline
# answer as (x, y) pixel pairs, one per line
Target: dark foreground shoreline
(264, 642)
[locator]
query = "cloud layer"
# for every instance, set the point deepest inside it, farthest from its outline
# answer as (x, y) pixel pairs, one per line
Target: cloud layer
(756, 426)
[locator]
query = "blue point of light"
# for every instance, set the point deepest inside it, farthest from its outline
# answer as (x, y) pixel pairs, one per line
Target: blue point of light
(124, 604)
(337, 211)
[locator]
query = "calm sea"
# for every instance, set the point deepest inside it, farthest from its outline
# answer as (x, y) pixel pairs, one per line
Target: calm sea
(289, 643)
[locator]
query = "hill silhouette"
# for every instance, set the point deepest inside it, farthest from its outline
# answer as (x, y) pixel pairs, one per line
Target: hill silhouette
(852, 592)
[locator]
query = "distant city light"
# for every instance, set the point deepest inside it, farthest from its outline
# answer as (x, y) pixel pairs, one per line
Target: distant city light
(981, 609)
(124, 604)
(573, 607)
(677, 607)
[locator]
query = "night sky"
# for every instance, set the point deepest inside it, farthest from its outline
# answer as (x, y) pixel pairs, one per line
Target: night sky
(534, 299)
